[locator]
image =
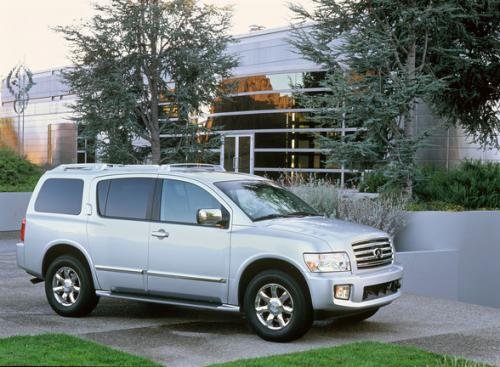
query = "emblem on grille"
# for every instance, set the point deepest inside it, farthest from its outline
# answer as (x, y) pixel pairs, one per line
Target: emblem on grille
(377, 253)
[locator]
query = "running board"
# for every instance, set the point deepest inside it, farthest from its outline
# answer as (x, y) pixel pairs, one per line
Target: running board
(168, 301)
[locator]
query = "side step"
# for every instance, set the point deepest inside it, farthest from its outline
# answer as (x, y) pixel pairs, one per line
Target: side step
(169, 301)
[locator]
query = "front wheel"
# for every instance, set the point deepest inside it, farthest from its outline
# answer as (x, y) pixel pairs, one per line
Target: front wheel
(277, 307)
(69, 287)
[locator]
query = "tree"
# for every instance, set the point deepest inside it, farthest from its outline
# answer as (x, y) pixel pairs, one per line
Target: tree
(383, 57)
(143, 68)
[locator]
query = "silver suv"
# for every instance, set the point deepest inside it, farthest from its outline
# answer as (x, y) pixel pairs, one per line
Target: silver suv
(196, 236)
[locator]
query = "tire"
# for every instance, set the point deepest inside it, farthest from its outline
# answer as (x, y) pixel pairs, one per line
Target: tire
(353, 319)
(75, 296)
(280, 318)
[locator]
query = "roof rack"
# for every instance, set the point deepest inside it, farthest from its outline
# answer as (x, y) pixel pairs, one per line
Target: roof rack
(178, 167)
(183, 167)
(86, 166)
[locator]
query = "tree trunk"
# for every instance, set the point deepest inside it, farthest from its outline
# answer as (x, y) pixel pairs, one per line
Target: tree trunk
(155, 150)
(411, 66)
(410, 122)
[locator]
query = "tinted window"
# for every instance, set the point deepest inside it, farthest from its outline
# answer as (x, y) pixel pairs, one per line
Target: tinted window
(60, 195)
(180, 201)
(128, 198)
(102, 195)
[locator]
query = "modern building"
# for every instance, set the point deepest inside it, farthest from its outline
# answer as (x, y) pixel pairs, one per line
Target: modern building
(264, 130)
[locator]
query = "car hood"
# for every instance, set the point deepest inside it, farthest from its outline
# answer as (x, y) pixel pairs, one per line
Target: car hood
(334, 231)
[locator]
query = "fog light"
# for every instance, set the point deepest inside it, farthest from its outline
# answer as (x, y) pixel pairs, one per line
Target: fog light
(342, 291)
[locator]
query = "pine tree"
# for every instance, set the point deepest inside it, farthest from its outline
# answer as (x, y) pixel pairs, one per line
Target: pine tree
(134, 61)
(384, 57)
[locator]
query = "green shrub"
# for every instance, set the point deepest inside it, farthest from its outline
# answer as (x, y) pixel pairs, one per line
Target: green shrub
(17, 174)
(471, 185)
(416, 206)
(373, 182)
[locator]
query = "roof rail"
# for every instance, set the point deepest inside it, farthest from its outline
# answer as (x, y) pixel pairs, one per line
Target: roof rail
(192, 167)
(86, 166)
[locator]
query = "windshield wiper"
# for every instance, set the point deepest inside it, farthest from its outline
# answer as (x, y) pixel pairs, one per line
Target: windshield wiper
(270, 216)
(288, 215)
(301, 214)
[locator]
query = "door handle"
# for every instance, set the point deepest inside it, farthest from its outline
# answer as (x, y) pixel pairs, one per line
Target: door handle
(160, 233)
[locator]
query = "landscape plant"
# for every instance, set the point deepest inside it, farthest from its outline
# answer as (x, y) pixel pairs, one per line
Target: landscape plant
(145, 69)
(386, 57)
(385, 212)
(17, 174)
(470, 185)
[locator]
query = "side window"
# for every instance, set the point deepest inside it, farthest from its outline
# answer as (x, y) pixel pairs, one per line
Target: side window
(60, 195)
(125, 198)
(180, 202)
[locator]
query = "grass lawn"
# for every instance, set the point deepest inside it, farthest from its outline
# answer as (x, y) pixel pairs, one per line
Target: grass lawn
(64, 350)
(364, 354)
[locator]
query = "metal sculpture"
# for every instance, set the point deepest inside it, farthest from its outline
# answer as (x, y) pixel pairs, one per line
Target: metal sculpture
(19, 82)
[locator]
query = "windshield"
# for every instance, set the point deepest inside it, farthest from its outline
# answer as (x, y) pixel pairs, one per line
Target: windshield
(262, 200)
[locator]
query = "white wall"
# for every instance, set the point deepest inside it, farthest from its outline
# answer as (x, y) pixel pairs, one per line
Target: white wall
(12, 209)
(474, 235)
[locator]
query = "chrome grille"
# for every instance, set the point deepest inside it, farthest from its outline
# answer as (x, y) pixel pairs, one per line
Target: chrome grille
(372, 253)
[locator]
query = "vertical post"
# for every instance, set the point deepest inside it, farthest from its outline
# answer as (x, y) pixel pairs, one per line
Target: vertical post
(342, 167)
(222, 151)
(18, 134)
(22, 139)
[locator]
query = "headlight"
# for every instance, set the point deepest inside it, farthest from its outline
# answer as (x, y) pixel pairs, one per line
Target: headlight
(327, 262)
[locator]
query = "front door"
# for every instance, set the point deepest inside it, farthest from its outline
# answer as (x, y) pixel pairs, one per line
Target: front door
(238, 153)
(186, 260)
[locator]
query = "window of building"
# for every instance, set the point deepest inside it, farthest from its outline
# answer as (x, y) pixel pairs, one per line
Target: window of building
(125, 198)
(60, 195)
(180, 202)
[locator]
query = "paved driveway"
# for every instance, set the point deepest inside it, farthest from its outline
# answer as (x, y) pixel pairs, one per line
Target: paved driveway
(191, 338)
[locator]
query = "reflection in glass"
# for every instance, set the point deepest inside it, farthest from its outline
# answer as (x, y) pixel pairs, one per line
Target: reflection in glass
(265, 200)
(229, 153)
(244, 154)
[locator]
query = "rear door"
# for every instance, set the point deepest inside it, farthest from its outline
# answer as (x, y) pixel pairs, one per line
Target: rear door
(118, 231)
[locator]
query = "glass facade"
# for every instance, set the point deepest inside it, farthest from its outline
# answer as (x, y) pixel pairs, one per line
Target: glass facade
(283, 134)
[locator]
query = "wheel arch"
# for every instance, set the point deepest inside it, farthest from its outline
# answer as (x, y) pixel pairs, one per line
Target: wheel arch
(66, 248)
(269, 263)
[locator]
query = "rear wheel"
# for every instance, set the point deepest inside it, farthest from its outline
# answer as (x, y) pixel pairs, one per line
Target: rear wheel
(277, 307)
(69, 287)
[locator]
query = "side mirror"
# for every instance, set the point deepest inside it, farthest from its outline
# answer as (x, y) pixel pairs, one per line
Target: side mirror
(210, 217)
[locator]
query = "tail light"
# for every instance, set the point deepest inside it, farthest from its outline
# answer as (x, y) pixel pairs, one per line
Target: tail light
(23, 229)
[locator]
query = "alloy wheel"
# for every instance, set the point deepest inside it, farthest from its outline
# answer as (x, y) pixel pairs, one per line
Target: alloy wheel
(274, 306)
(66, 286)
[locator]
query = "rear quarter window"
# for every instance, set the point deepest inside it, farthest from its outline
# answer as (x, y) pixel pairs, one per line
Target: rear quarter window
(61, 196)
(126, 198)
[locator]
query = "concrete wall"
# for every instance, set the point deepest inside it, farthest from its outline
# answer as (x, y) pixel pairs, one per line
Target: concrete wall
(12, 209)
(430, 273)
(473, 235)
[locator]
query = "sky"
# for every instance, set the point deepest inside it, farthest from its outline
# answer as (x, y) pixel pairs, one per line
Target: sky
(26, 35)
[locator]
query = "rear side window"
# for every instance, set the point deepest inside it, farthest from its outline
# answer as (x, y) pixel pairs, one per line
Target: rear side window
(60, 195)
(125, 198)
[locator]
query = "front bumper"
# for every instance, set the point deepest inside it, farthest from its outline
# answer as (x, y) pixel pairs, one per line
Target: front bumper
(321, 287)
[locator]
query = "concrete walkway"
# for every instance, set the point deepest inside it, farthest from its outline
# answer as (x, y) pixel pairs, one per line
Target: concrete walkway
(180, 337)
